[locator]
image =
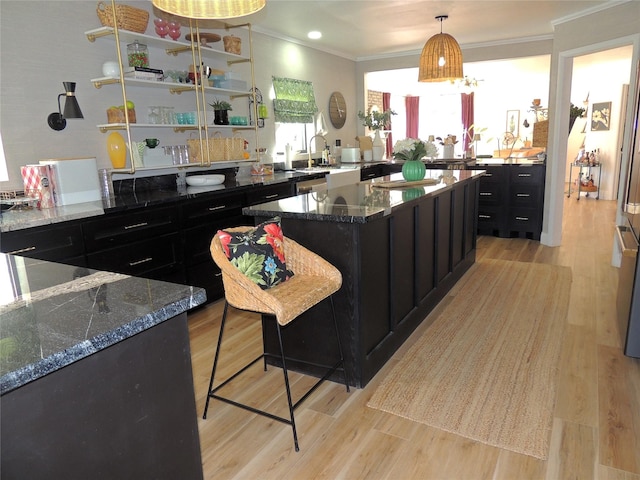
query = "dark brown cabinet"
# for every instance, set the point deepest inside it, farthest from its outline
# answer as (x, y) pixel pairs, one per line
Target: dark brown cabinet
(269, 193)
(61, 243)
(511, 200)
(201, 219)
(144, 242)
(395, 269)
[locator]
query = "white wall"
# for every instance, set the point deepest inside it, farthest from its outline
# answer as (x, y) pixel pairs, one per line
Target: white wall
(42, 44)
(588, 81)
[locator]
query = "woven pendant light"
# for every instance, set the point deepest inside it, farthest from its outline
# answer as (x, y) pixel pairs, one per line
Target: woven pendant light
(441, 58)
(210, 9)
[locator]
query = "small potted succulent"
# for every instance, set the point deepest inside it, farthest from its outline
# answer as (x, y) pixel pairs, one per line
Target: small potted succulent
(221, 112)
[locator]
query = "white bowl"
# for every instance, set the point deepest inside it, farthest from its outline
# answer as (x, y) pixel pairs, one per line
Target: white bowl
(201, 180)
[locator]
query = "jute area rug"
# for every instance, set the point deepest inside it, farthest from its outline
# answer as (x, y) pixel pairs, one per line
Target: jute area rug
(486, 368)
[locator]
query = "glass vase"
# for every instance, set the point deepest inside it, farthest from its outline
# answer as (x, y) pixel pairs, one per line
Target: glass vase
(117, 150)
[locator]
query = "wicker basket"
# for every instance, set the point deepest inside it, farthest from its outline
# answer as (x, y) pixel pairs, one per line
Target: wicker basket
(128, 18)
(234, 148)
(232, 44)
(116, 115)
(213, 148)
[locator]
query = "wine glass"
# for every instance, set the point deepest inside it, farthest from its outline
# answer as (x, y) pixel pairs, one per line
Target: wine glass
(175, 34)
(162, 27)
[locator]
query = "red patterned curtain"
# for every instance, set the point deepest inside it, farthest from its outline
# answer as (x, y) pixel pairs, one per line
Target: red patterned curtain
(467, 119)
(386, 105)
(412, 105)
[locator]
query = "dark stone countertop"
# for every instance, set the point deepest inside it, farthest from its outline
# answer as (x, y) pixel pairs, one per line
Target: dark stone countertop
(359, 203)
(142, 192)
(59, 314)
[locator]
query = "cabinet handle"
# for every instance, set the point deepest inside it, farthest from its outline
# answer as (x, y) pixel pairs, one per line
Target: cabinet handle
(524, 174)
(488, 174)
(484, 216)
(21, 250)
(213, 209)
(138, 262)
(486, 194)
(526, 195)
(523, 219)
(136, 225)
(271, 196)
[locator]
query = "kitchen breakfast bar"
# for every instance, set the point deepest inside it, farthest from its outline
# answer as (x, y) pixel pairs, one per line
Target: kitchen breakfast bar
(400, 250)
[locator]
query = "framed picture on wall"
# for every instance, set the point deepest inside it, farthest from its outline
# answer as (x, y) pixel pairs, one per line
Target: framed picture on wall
(513, 122)
(600, 117)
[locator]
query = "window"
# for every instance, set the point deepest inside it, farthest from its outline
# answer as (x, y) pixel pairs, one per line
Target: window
(294, 110)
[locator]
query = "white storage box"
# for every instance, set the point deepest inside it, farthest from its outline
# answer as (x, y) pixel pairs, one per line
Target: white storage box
(75, 180)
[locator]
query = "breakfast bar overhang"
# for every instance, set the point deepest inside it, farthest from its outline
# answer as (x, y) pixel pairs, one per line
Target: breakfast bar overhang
(399, 249)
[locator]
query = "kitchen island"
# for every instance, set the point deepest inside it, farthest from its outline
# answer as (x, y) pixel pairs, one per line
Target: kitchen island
(400, 250)
(95, 374)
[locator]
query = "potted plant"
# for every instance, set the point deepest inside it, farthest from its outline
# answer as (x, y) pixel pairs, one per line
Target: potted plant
(574, 112)
(221, 112)
(411, 151)
(376, 121)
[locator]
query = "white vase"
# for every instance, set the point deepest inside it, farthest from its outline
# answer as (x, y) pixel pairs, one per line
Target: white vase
(378, 147)
(447, 151)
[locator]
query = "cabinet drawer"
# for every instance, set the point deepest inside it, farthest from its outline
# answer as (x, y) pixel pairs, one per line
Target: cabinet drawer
(121, 229)
(490, 193)
(371, 172)
(530, 174)
(525, 195)
(490, 217)
(197, 240)
(140, 258)
(48, 242)
(524, 219)
(493, 175)
(269, 193)
(212, 209)
(208, 276)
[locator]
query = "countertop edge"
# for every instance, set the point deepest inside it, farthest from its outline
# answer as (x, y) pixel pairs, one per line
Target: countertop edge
(58, 360)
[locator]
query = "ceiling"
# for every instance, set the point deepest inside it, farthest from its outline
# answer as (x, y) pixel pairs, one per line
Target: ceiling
(365, 29)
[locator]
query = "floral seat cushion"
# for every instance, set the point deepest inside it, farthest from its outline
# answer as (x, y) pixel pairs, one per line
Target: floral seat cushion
(258, 253)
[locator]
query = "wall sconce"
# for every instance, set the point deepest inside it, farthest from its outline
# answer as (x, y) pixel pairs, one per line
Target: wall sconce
(441, 58)
(57, 120)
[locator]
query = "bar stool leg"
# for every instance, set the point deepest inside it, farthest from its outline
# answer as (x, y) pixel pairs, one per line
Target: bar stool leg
(335, 326)
(286, 384)
(215, 361)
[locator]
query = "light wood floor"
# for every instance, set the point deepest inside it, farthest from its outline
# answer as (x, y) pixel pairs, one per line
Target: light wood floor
(596, 429)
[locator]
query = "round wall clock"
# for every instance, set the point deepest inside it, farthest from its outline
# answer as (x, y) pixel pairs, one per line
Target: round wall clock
(337, 109)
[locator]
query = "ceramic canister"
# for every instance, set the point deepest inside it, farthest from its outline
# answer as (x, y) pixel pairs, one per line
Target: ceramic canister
(111, 69)
(350, 155)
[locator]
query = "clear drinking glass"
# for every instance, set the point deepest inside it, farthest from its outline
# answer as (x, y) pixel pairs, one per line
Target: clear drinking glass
(154, 116)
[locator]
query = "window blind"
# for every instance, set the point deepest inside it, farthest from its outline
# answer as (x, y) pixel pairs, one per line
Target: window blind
(294, 102)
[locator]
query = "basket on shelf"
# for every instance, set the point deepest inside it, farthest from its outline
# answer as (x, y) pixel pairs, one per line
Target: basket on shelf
(234, 148)
(128, 18)
(116, 115)
(215, 145)
(232, 44)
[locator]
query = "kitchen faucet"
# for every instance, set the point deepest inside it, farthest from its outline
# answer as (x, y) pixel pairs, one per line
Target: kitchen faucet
(309, 149)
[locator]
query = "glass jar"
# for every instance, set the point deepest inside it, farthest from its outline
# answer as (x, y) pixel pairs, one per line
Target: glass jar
(138, 54)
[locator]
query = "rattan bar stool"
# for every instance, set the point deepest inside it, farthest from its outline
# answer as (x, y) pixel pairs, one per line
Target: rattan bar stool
(314, 280)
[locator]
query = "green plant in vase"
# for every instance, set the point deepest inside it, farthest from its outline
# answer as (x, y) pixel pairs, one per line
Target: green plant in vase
(221, 112)
(411, 151)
